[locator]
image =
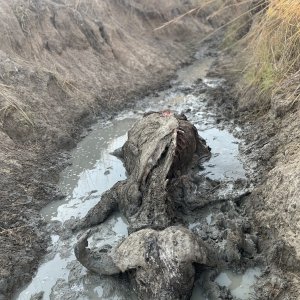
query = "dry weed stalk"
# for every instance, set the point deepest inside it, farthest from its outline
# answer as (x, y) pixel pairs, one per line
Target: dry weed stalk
(206, 3)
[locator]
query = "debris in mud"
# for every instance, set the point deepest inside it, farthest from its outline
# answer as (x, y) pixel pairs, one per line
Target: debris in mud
(160, 147)
(160, 262)
(161, 156)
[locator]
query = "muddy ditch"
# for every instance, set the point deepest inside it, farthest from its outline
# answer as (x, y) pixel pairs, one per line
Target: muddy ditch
(213, 209)
(62, 63)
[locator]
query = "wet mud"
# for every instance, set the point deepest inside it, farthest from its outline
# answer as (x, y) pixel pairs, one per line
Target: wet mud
(210, 205)
(265, 206)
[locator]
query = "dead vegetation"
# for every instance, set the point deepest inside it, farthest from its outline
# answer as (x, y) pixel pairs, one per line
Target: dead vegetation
(276, 48)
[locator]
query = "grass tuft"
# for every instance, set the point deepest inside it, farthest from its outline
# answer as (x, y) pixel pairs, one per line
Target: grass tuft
(275, 44)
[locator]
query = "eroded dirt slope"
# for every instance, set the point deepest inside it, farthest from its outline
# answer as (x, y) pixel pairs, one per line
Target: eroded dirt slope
(275, 136)
(272, 135)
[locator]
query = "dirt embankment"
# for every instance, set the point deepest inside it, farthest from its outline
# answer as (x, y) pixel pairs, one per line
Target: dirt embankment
(62, 63)
(272, 140)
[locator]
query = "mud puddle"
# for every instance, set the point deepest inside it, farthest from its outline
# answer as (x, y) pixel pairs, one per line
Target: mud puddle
(94, 170)
(240, 285)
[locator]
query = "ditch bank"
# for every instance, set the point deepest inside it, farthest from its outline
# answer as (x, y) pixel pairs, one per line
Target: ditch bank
(271, 135)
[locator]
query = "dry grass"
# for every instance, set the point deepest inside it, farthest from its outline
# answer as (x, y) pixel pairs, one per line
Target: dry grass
(227, 5)
(275, 44)
(11, 103)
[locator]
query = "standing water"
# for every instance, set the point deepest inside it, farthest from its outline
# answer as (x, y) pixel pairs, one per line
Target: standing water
(94, 170)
